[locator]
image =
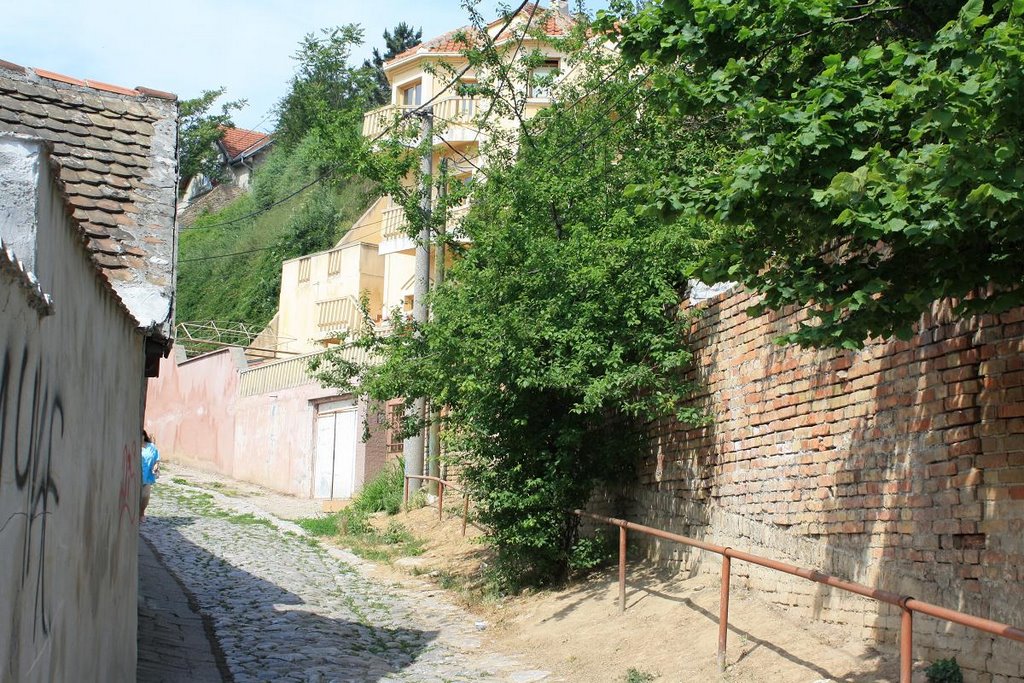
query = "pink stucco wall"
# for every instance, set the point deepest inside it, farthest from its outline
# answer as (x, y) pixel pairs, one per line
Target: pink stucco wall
(190, 409)
(195, 413)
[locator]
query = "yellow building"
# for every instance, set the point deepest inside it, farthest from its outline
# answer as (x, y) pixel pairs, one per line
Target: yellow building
(320, 293)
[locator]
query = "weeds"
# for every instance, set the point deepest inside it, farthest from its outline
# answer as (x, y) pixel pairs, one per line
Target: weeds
(635, 675)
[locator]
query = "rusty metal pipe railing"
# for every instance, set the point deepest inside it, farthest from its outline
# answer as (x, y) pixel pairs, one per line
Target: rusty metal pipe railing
(906, 604)
(441, 486)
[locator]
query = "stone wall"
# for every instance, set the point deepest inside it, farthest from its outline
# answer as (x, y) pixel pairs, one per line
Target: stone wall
(71, 401)
(900, 466)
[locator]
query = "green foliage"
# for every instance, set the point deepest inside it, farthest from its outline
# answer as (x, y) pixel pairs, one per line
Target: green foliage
(198, 133)
(944, 671)
(560, 330)
(324, 85)
(590, 553)
(384, 492)
(396, 41)
(868, 154)
(635, 675)
(321, 525)
(246, 287)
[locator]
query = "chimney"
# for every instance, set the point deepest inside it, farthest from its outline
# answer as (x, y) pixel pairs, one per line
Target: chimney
(560, 6)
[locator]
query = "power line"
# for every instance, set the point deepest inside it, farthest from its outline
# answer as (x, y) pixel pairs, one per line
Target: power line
(376, 138)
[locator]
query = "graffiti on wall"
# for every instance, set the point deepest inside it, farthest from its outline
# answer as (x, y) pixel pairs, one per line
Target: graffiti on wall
(131, 482)
(31, 433)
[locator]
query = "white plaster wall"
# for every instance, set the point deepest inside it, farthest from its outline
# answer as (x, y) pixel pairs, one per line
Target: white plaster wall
(71, 402)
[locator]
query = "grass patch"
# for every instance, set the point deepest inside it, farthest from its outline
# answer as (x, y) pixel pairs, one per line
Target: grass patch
(180, 480)
(351, 528)
(634, 675)
(384, 492)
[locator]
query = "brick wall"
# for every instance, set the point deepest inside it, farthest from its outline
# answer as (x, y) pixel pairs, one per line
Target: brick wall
(900, 466)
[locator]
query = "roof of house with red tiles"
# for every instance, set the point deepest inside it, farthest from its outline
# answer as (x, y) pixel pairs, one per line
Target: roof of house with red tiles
(115, 149)
(555, 24)
(239, 142)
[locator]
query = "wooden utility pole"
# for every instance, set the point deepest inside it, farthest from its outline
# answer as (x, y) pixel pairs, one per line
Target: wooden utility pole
(413, 446)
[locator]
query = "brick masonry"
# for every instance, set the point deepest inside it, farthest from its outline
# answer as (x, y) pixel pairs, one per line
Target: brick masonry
(900, 466)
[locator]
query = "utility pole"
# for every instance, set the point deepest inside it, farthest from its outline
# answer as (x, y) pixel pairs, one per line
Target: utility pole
(434, 435)
(413, 447)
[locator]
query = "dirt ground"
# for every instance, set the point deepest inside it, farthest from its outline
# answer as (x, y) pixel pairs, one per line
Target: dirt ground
(669, 629)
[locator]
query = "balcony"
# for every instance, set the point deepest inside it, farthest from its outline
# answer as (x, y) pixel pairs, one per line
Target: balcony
(339, 314)
(452, 115)
(379, 120)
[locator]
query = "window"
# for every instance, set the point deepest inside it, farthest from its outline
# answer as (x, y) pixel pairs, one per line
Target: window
(412, 95)
(304, 268)
(544, 73)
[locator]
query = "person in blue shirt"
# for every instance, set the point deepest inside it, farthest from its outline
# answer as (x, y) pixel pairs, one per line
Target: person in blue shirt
(150, 469)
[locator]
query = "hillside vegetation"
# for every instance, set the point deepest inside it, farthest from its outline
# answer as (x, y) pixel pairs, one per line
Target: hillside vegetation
(244, 287)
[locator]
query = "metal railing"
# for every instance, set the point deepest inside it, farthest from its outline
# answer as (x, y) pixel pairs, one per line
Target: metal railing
(441, 485)
(907, 604)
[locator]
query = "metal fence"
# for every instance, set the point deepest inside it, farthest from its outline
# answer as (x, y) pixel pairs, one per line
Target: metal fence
(907, 604)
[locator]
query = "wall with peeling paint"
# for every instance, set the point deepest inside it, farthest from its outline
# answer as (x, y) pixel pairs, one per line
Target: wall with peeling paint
(71, 404)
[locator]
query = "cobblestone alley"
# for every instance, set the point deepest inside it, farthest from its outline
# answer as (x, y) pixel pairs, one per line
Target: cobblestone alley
(283, 608)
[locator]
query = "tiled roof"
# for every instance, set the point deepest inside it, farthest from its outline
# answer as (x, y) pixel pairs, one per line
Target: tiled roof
(556, 24)
(239, 141)
(116, 151)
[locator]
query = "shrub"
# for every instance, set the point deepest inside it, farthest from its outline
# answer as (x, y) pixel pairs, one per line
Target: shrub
(384, 492)
(944, 671)
(590, 553)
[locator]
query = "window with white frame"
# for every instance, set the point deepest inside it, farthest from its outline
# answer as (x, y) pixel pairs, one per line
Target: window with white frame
(411, 95)
(539, 87)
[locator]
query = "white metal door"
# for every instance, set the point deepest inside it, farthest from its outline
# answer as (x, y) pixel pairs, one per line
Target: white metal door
(323, 463)
(344, 454)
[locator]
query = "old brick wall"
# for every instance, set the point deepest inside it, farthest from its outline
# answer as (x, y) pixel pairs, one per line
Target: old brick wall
(900, 466)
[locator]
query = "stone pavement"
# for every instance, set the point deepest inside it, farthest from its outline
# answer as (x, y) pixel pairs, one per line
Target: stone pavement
(285, 608)
(173, 643)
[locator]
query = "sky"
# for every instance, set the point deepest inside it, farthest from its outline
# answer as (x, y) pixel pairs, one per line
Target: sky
(187, 46)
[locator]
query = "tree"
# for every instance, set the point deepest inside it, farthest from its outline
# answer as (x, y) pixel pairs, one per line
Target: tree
(198, 133)
(324, 83)
(559, 331)
(396, 41)
(868, 154)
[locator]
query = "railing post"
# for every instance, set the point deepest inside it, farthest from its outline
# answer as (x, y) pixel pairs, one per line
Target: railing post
(723, 610)
(622, 569)
(906, 642)
(440, 501)
(405, 496)
(465, 511)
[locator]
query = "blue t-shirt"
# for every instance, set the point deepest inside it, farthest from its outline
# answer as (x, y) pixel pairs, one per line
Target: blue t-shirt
(149, 457)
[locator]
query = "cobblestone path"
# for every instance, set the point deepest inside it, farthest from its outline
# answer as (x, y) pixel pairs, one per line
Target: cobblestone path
(286, 609)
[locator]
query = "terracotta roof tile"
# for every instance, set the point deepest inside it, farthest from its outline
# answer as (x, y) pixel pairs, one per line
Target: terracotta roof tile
(556, 24)
(115, 151)
(238, 141)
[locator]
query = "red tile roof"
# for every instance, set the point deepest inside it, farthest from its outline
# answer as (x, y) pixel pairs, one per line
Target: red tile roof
(238, 141)
(556, 24)
(115, 151)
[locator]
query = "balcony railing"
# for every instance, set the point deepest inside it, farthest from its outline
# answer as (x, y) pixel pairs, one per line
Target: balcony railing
(343, 313)
(293, 372)
(450, 111)
(394, 224)
(379, 120)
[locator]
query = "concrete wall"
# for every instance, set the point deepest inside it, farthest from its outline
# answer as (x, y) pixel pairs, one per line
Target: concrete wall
(198, 417)
(71, 401)
(191, 408)
(361, 271)
(900, 466)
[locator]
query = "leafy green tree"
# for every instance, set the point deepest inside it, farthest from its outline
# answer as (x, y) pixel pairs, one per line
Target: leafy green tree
(868, 153)
(199, 131)
(396, 41)
(559, 331)
(324, 83)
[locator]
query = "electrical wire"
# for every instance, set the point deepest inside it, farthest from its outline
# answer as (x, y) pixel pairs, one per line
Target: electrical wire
(386, 131)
